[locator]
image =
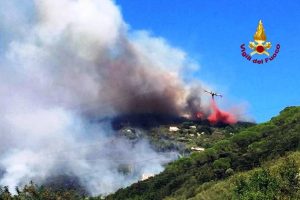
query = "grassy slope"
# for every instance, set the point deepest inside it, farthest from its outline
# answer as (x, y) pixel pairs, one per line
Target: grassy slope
(193, 176)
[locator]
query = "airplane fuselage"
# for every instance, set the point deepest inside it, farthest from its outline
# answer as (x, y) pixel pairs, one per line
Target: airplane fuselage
(213, 94)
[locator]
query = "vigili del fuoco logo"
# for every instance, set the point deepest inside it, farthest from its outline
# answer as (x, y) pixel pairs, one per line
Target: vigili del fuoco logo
(260, 47)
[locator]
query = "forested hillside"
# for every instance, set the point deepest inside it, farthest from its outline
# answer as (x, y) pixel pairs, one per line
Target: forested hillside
(257, 162)
(249, 149)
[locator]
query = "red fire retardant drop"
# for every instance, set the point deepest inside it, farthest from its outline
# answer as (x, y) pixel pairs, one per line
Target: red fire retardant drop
(218, 115)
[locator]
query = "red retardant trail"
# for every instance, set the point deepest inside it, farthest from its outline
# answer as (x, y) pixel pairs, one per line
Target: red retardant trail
(218, 115)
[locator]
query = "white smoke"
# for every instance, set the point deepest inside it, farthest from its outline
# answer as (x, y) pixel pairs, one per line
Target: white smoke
(64, 61)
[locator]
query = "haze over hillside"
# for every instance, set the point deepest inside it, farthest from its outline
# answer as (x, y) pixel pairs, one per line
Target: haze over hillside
(242, 161)
(66, 66)
(267, 154)
(92, 108)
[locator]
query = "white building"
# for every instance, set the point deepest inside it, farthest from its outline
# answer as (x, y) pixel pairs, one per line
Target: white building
(146, 176)
(197, 149)
(173, 129)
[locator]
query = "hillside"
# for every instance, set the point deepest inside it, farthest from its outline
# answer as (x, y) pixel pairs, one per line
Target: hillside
(250, 148)
(186, 134)
(231, 187)
(238, 162)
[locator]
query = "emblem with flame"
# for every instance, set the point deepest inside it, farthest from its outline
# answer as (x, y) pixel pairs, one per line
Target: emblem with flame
(260, 46)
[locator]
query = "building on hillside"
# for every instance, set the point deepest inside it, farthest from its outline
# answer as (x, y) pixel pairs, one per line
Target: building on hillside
(146, 176)
(197, 149)
(173, 129)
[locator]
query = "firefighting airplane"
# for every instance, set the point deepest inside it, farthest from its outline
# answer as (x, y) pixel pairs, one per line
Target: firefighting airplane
(213, 94)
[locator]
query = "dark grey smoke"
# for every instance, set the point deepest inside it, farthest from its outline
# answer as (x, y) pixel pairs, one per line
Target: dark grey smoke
(132, 84)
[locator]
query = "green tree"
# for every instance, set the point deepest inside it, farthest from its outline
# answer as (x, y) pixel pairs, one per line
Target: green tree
(289, 179)
(260, 186)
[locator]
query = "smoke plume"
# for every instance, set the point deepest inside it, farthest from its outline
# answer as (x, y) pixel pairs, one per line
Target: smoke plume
(65, 62)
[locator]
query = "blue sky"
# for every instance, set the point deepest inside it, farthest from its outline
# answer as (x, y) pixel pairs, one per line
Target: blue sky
(211, 32)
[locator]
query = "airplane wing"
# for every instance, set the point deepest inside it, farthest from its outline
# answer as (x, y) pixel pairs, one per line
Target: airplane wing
(207, 91)
(219, 95)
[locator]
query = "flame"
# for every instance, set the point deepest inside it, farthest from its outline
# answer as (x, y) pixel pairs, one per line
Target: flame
(260, 32)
